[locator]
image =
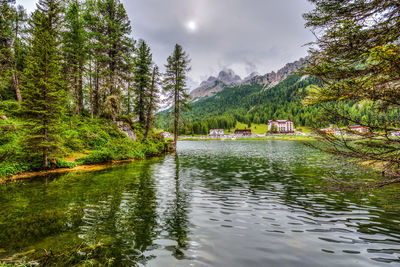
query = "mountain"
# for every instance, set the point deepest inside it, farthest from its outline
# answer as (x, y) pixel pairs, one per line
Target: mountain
(257, 99)
(228, 78)
(248, 103)
(216, 84)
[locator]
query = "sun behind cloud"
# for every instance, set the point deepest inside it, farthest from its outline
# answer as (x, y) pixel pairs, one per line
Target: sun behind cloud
(191, 25)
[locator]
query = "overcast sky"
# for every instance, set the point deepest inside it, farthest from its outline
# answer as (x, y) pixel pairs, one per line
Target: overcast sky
(244, 35)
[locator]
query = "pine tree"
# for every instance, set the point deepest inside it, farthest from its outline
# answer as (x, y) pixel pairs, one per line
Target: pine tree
(175, 77)
(19, 48)
(7, 59)
(75, 52)
(94, 27)
(129, 97)
(142, 79)
(152, 99)
(114, 30)
(42, 90)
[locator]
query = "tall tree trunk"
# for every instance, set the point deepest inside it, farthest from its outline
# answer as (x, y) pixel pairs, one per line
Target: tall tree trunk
(16, 85)
(113, 86)
(45, 156)
(176, 116)
(148, 122)
(96, 93)
(141, 105)
(15, 72)
(80, 89)
(129, 99)
(150, 105)
(91, 89)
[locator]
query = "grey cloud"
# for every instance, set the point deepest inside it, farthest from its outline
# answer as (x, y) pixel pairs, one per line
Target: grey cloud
(244, 35)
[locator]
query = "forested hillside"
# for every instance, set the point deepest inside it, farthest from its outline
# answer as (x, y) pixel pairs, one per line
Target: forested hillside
(72, 80)
(254, 104)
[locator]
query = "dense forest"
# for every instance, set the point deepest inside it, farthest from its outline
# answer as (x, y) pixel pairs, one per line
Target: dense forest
(252, 104)
(72, 79)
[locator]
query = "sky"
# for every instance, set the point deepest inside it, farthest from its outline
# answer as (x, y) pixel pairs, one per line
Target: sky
(243, 35)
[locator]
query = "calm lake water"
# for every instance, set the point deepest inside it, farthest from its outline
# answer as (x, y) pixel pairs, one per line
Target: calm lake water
(222, 203)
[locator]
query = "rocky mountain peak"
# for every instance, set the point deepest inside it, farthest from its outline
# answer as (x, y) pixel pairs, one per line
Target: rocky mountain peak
(228, 77)
(251, 76)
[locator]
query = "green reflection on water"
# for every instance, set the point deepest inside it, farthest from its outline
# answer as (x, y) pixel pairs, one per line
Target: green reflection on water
(162, 209)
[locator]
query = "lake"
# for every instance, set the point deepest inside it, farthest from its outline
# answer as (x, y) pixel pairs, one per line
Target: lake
(213, 203)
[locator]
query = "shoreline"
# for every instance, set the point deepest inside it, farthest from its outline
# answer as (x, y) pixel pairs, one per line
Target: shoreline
(278, 137)
(81, 168)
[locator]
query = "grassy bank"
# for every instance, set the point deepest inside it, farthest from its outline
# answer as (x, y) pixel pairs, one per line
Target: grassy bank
(274, 137)
(262, 128)
(81, 141)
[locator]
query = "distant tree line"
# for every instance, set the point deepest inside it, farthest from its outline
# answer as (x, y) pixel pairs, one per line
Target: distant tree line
(254, 104)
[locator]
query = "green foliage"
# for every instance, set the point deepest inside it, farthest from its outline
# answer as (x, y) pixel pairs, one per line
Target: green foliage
(74, 40)
(100, 137)
(142, 78)
(122, 150)
(77, 56)
(255, 104)
(357, 55)
(42, 90)
(97, 156)
(248, 104)
(11, 168)
(174, 81)
(9, 107)
(61, 163)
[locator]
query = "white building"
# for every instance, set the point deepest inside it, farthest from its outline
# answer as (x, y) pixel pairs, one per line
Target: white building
(166, 135)
(216, 132)
(282, 126)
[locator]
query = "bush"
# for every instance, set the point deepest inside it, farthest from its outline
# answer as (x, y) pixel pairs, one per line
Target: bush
(97, 156)
(8, 169)
(72, 140)
(61, 163)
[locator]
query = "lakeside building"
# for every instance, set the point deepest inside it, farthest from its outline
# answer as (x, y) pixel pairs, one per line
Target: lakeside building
(359, 128)
(333, 131)
(166, 135)
(217, 132)
(282, 126)
(243, 133)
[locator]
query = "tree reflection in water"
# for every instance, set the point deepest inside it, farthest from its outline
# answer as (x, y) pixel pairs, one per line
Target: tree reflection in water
(176, 217)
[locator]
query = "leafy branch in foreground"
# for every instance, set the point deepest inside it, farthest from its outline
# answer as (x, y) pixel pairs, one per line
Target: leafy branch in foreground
(357, 56)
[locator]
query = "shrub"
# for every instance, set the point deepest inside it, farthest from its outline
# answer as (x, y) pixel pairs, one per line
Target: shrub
(97, 156)
(8, 169)
(61, 163)
(72, 140)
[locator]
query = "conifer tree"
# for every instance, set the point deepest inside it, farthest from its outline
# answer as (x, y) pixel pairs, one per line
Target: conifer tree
(7, 59)
(19, 49)
(129, 97)
(42, 90)
(175, 77)
(152, 99)
(357, 56)
(114, 29)
(142, 76)
(75, 52)
(95, 48)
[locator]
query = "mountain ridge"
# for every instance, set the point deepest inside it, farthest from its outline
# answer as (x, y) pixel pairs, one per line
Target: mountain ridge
(228, 77)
